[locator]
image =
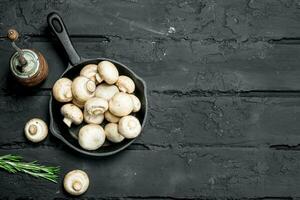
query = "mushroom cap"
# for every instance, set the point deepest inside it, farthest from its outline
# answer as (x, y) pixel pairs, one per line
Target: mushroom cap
(112, 134)
(83, 88)
(121, 104)
(129, 127)
(96, 106)
(125, 84)
(110, 117)
(76, 182)
(136, 103)
(108, 72)
(78, 103)
(90, 71)
(91, 137)
(62, 90)
(106, 91)
(72, 114)
(36, 130)
(92, 119)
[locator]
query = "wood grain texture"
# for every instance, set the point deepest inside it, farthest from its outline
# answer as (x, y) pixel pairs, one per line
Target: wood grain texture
(179, 65)
(195, 173)
(180, 122)
(190, 19)
(222, 46)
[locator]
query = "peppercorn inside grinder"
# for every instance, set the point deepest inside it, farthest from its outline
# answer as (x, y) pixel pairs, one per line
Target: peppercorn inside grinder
(28, 66)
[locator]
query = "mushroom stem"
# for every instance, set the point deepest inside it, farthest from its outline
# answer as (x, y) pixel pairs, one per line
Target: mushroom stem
(77, 186)
(132, 124)
(68, 94)
(97, 111)
(90, 86)
(67, 121)
(32, 129)
(98, 78)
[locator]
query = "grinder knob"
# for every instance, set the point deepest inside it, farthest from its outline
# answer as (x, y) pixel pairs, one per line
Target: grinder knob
(13, 35)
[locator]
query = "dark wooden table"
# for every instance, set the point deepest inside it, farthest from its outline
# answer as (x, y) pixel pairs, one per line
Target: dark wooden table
(224, 97)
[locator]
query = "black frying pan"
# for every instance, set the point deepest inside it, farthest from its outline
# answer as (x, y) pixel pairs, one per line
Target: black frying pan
(57, 127)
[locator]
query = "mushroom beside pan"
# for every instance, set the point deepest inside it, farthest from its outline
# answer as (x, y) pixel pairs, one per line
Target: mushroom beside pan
(76, 182)
(36, 130)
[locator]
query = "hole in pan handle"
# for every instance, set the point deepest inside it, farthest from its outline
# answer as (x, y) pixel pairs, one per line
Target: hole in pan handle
(58, 27)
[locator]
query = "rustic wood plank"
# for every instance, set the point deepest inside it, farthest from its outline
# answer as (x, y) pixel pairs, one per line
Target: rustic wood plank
(221, 20)
(176, 122)
(177, 65)
(187, 173)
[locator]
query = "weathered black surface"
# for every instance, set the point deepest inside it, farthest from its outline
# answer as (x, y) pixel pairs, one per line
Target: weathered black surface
(224, 97)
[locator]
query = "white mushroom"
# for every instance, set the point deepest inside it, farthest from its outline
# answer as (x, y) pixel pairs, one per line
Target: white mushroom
(76, 182)
(125, 84)
(91, 137)
(106, 91)
(92, 119)
(96, 106)
(72, 114)
(121, 104)
(110, 117)
(36, 130)
(90, 71)
(112, 134)
(83, 88)
(129, 127)
(108, 72)
(62, 90)
(136, 103)
(78, 103)
(94, 110)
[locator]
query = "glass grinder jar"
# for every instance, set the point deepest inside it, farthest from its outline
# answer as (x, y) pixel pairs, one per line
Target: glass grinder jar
(28, 66)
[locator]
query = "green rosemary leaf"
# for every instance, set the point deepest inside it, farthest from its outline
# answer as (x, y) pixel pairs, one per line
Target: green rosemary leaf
(14, 164)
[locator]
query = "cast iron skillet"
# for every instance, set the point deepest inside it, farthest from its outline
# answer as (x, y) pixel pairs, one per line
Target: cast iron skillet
(57, 127)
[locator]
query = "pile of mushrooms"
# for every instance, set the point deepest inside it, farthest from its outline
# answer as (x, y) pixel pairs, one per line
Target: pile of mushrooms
(102, 99)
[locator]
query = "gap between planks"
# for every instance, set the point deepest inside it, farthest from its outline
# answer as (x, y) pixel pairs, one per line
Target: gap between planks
(186, 147)
(186, 198)
(108, 37)
(178, 93)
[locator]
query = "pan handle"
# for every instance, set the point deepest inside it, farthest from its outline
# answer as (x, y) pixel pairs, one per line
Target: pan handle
(58, 27)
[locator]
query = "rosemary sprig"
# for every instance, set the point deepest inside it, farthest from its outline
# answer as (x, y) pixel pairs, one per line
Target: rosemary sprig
(14, 164)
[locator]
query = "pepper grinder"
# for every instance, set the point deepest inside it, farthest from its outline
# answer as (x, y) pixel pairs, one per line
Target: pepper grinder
(28, 66)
